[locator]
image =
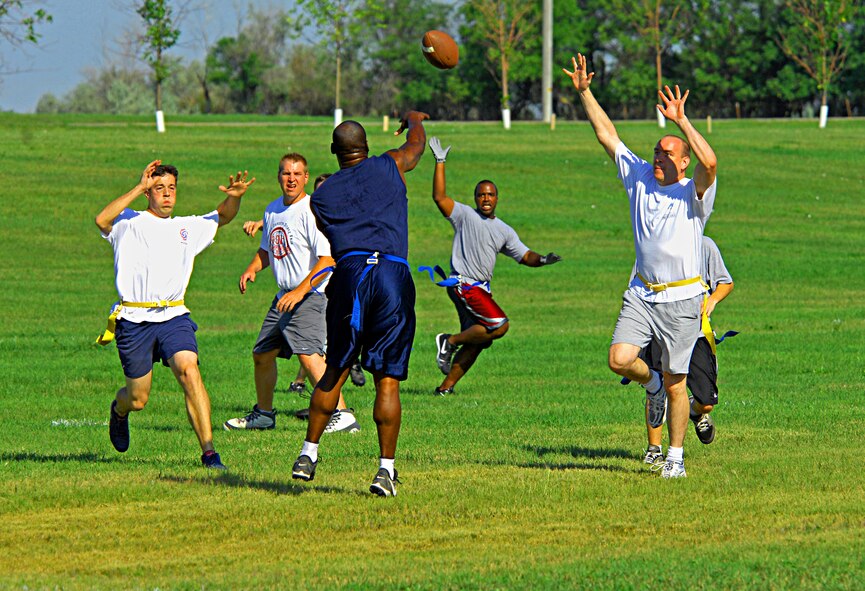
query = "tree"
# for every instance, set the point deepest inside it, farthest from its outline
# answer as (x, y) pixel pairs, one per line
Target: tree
(337, 21)
(18, 24)
(503, 25)
(817, 38)
(161, 34)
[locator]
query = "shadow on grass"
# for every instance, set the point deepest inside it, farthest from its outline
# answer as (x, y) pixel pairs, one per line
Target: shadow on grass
(576, 453)
(581, 452)
(279, 488)
(562, 466)
(27, 456)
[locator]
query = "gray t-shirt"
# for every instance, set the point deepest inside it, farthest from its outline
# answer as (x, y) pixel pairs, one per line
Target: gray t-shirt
(477, 241)
(712, 267)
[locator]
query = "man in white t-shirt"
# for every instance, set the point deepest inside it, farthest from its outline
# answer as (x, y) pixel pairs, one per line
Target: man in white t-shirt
(153, 258)
(668, 214)
(479, 236)
(297, 251)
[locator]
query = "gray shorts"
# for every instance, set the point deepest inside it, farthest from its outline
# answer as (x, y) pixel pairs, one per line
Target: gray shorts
(676, 326)
(301, 331)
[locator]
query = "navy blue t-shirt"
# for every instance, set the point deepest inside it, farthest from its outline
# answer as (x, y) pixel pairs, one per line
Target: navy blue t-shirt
(364, 208)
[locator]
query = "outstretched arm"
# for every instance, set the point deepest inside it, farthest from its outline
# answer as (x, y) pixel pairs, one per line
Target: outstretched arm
(408, 155)
(533, 259)
(105, 218)
(707, 163)
(444, 203)
(604, 129)
(237, 186)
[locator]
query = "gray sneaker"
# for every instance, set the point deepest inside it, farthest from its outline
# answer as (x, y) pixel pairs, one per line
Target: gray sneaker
(444, 353)
(705, 428)
(656, 402)
(357, 376)
(342, 420)
(304, 469)
(673, 470)
(382, 485)
(654, 456)
(257, 419)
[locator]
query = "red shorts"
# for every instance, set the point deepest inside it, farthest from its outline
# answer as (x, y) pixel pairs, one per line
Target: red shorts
(475, 305)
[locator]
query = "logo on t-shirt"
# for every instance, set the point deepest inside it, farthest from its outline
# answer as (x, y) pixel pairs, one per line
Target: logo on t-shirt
(184, 235)
(279, 245)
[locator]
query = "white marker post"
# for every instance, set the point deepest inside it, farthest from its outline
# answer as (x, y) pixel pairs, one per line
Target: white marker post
(160, 122)
(824, 115)
(337, 117)
(506, 118)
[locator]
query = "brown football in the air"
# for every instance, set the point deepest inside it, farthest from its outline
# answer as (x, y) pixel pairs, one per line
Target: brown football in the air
(440, 49)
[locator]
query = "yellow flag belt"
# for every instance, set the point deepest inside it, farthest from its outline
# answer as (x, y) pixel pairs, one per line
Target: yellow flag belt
(108, 336)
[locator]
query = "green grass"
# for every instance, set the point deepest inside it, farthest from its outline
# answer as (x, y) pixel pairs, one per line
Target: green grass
(529, 477)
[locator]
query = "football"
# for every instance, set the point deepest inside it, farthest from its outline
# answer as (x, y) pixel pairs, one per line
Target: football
(440, 50)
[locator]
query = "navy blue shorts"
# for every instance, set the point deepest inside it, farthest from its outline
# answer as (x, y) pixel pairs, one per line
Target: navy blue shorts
(141, 344)
(387, 320)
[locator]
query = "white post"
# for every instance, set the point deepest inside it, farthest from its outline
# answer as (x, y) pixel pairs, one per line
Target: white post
(824, 115)
(506, 118)
(160, 122)
(385, 123)
(662, 121)
(337, 117)
(547, 59)
(709, 124)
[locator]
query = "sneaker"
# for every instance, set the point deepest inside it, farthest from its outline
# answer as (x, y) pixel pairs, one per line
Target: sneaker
(118, 430)
(302, 414)
(342, 420)
(673, 470)
(211, 460)
(382, 484)
(257, 419)
(304, 469)
(705, 428)
(298, 388)
(357, 376)
(657, 404)
(444, 353)
(444, 391)
(654, 456)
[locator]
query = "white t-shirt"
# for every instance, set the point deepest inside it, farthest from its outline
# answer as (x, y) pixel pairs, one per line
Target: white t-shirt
(477, 241)
(668, 224)
(153, 259)
(293, 242)
(714, 270)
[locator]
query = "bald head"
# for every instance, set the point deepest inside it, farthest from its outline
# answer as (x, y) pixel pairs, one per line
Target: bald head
(682, 145)
(349, 142)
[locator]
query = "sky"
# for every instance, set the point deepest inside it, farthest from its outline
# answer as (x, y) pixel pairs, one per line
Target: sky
(87, 34)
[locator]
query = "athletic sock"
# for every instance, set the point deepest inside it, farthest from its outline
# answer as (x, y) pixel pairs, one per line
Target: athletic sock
(310, 450)
(655, 383)
(675, 454)
(387, 464)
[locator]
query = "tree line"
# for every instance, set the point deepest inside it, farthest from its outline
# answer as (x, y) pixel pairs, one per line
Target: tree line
(759, 58)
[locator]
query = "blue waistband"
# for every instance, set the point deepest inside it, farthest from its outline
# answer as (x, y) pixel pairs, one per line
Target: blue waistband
(452, 281)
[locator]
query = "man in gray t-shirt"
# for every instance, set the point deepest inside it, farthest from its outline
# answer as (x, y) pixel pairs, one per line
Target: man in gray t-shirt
(478, 237)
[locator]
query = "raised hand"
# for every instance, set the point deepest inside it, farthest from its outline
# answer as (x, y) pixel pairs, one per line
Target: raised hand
(147, 179)
(580, 77)
(237, 185)
(410, 116)
(674, 104)
(437, 150)
(252, 227)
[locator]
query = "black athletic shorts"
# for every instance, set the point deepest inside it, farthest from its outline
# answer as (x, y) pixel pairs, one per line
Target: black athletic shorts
(702, 373)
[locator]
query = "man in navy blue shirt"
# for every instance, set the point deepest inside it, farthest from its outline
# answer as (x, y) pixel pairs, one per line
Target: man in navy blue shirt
(363, 211)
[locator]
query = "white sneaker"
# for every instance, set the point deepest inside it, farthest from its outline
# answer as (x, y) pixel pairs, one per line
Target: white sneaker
(654, 456)
(257, 419)
(673, 470)
(342, 420)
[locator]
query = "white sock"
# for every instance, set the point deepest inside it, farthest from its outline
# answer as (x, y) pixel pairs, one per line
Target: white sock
(310, 450)
(655, 383)
(387, 464)
(675, 454)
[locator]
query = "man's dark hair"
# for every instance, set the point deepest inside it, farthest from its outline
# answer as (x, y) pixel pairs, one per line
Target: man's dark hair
(320, 179)
(486, 181)
(164, 169)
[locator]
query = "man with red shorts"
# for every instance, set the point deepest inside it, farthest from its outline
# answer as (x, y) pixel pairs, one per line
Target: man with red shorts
(478, 237)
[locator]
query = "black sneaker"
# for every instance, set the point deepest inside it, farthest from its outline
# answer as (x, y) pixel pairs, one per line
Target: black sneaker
(382, 484)
(444, 353)
(211, 460)
(444, 391)
(356, 375)
(304, 469)
(298, 388)
(705, 428)
(302, 414)
(118, 430)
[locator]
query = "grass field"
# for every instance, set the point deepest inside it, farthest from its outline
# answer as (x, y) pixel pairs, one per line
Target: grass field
(530, 476)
